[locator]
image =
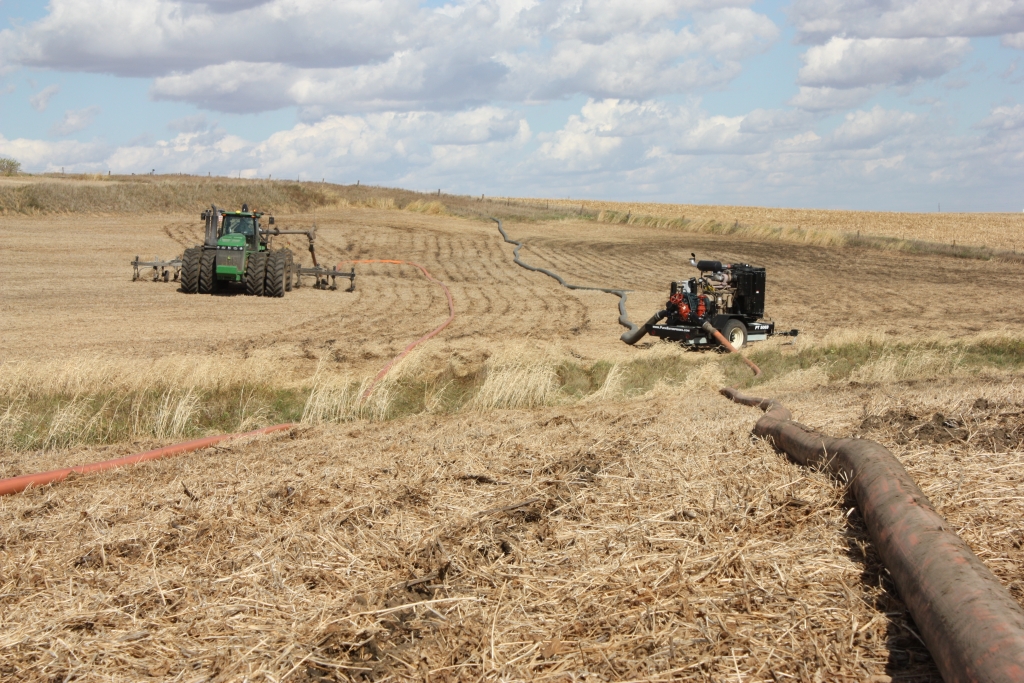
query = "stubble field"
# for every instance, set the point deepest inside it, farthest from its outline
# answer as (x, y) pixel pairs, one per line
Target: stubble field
(525, 498)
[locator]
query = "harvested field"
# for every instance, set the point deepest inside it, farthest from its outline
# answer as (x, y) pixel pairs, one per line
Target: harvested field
(1003, 231)
(524, 498)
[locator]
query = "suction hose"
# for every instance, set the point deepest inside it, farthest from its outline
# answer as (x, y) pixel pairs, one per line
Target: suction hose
(972, 626)
(19, 484)
(635, 332)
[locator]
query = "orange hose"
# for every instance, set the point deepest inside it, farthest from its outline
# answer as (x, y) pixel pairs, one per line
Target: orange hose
(405, 352)
(19, 484)
(731, 349)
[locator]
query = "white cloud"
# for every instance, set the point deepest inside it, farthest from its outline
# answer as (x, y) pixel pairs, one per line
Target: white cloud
(831, 99)
(41, 99)
(189, 124)
(865, 129)
(44, 155)
(74, 120)
(1005, 118)
(886, 163)
(819, 20)
(352, 55)
(1014, 40)
(370, 147)
(855, 63)
(611, 148)
(153, 37)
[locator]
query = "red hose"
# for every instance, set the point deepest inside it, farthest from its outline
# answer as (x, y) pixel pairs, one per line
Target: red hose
(405, 352)
(730, 348)
(19, 484)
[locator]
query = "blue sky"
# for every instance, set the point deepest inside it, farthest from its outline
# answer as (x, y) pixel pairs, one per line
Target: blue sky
(863, 104)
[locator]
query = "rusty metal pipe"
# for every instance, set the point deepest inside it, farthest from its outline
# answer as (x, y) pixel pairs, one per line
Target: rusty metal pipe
(19, 484)
(972, 626)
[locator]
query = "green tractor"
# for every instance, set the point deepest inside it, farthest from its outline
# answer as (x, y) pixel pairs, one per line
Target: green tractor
(237, 249)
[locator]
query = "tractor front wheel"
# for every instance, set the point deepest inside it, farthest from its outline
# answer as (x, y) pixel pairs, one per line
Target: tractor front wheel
(190, 270)
(274, 285)
(255, 273)
(208, 271)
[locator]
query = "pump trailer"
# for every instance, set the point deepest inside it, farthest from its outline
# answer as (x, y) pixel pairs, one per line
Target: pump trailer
(728, 296)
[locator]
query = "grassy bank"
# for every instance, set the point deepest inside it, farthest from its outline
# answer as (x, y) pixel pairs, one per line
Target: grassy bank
(809, 236)
(95, 409)
(100, 194)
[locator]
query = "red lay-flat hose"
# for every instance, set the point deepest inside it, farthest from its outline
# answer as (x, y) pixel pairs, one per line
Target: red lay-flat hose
(18, 484)
(405, 352)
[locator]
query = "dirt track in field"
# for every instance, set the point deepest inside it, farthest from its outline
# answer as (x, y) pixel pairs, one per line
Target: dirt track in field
(66, 290)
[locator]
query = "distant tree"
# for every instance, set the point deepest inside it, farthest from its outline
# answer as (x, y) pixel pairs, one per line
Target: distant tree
(9, 166)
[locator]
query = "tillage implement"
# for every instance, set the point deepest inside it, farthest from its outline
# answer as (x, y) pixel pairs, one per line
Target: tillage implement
(726, 297)
(237, 249)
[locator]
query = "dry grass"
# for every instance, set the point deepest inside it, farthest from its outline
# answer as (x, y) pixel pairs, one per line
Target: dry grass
(619, 525)
(517, 378)
(101, 194)
(649, 540)
(91, 374)
(814, 226)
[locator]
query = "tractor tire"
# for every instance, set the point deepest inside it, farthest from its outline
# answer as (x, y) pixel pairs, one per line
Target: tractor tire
(736, 332)
(190, 270)
(274, 285)
(289, 267)
(255, 273)
(208, 271)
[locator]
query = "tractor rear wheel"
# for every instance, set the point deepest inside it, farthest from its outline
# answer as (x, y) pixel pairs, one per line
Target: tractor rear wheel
(208, 271)
(255, 273)
(190, 270)
(736, 332)
(289, 266)
(275, 274)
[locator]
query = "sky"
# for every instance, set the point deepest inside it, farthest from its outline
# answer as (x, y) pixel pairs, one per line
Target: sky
(892, 105)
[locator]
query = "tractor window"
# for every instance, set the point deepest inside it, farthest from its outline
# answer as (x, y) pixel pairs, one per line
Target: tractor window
(239, 225)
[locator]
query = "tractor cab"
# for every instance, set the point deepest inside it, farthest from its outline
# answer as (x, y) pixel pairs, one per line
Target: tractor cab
(240, 229)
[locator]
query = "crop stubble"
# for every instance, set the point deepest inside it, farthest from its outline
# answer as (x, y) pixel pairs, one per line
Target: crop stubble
(658, 540)
(994, 230)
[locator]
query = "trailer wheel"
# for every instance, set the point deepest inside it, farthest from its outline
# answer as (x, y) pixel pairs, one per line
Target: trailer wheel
(255, 273)
(190, 270)
(736, 332)
(275, 274)
(208, 271)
